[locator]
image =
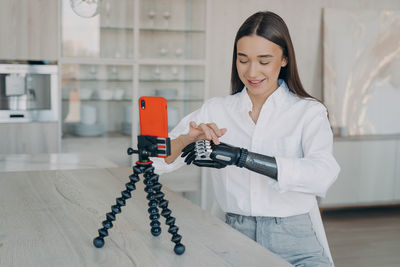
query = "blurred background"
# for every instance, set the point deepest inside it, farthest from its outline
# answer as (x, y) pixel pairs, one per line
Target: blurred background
(71, 72)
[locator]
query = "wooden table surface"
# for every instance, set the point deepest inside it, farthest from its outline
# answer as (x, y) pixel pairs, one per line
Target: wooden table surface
(49, 218)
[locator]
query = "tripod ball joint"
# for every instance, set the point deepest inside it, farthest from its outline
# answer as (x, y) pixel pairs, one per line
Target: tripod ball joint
(98, 242)
(179, 249)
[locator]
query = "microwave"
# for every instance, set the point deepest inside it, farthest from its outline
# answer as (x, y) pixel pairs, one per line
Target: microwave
(28, 92)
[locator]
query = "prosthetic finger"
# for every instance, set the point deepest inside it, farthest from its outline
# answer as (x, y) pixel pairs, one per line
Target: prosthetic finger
(188, 149)
(208, 163)
(190, 158)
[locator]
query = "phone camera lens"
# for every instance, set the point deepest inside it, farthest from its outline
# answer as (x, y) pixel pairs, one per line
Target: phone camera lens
(142, 104)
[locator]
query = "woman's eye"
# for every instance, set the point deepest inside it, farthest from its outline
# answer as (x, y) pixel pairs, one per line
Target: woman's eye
(243, 61)
(264, 63)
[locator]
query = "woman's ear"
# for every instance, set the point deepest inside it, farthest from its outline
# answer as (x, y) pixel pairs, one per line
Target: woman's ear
(284, 62)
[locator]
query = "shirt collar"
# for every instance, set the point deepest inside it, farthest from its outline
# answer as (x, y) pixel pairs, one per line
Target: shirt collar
(278, 96)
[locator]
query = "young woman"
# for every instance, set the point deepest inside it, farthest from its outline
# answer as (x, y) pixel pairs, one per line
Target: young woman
(281, 136)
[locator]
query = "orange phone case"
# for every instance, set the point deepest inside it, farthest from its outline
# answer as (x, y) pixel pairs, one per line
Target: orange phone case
(153, 116)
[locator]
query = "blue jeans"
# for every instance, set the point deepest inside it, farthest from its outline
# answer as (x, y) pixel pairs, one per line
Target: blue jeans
(292, 238)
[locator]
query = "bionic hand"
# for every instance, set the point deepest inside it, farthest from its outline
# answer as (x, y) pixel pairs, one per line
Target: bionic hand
(205, 153)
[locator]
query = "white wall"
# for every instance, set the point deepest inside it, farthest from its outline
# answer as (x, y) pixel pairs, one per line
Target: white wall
(304, 20)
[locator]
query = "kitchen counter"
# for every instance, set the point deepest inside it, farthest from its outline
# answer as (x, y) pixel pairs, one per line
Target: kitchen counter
(52, 161)
(49, 218)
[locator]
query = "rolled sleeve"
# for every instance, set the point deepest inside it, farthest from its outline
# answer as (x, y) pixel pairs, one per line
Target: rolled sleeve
(318, 169)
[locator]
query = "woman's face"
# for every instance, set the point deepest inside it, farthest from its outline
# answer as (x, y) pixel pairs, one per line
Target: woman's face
(258, 63)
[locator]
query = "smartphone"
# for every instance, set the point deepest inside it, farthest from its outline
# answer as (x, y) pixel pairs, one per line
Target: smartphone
(154, 124)
(153, 116)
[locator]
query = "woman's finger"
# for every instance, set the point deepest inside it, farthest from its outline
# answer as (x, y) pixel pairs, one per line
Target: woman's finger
(193, 124)
(213, 135)
(196, 131)
(223, 131)
(215, 128)
(206, 130)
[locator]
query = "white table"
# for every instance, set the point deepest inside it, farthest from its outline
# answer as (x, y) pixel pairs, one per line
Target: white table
(49, 218)
(52, 161)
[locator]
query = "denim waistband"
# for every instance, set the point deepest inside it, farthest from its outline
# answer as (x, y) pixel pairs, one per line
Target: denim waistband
(277, 220)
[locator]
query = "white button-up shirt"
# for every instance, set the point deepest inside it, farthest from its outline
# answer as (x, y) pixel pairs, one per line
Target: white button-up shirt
(294, 130)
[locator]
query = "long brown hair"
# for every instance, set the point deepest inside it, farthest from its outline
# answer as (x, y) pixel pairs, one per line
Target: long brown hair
(272, 27)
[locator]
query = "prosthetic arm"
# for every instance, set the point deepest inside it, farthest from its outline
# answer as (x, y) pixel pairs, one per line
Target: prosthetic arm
(205, 153)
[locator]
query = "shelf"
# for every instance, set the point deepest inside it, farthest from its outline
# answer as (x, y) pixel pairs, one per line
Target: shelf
(100, 100)
(152, 29)
(116, 28)
(130, 62)
(128, 100)
(113, 135)
(130, 80)
(171, 30)
(96, 80)
(170, 81)
(96, 61)
(160, 62)
(185, 100)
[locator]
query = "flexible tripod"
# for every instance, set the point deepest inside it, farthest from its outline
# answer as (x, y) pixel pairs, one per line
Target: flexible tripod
(148, 146)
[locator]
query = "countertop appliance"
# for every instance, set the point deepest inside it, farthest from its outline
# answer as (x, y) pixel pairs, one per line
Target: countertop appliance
(28, 92)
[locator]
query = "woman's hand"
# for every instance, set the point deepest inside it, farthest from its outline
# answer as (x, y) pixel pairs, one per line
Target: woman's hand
(207, 131)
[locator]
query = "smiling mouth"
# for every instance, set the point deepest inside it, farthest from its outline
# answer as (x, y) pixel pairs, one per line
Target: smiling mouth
(255, 83)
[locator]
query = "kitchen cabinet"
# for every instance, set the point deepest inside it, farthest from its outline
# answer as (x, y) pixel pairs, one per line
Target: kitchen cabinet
(96, 99)
(369, 172)
(132, 48)
(105, 68)
(29, 30)
(29, 138)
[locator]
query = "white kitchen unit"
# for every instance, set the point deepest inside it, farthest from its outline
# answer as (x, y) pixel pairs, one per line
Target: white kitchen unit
(29, 30)
(29, 138)
(132, 48)
(369, 174)
(29, 34)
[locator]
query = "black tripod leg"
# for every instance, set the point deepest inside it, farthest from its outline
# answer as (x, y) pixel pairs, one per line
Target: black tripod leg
(115, 209)
(169, 220)
(149, 180)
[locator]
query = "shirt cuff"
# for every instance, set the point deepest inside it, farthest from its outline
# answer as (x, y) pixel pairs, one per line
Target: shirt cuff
(287, 173)
(162, 167)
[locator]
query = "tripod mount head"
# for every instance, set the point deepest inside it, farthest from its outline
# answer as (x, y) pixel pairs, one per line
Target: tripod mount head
(151, 146)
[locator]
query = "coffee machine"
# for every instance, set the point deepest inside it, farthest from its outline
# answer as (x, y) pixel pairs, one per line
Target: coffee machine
(28, 92)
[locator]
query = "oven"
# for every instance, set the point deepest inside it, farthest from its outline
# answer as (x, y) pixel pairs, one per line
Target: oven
(28, 92)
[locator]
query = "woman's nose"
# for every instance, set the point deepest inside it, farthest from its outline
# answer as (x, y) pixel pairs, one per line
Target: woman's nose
(252, 70)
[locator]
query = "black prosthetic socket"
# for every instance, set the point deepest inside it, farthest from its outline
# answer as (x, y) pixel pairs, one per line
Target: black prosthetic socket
(262, 164)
